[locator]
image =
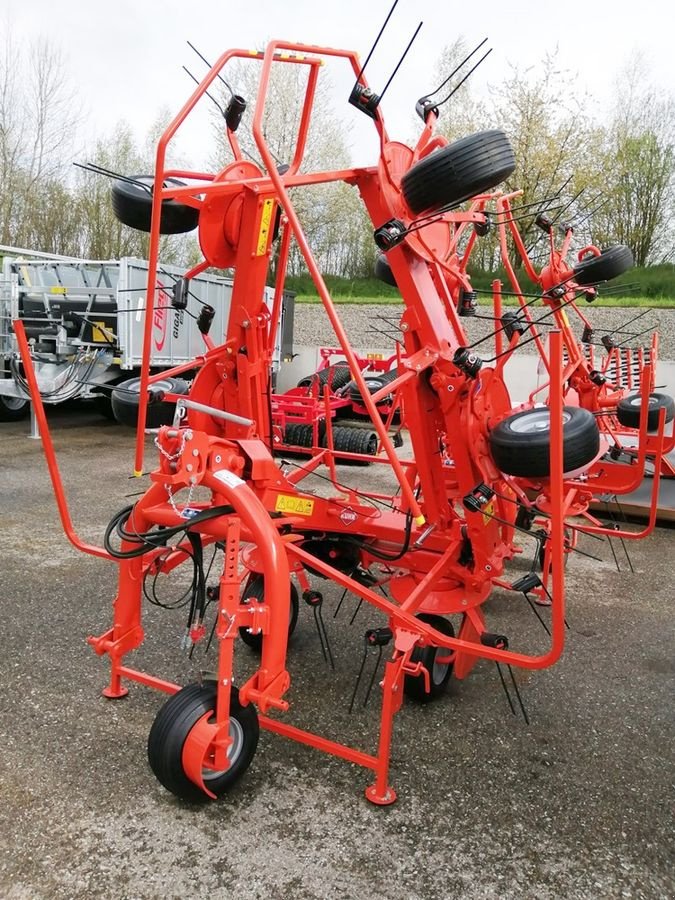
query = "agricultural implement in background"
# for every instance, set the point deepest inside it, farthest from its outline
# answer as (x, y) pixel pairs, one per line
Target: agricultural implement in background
(301, 415)
(437, 545)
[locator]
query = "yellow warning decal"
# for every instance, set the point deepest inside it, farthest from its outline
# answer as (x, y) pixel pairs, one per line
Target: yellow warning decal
(264, 233)
(300, 506)
(57, 290)
(98, 334)
(488, 512)
(563, 316)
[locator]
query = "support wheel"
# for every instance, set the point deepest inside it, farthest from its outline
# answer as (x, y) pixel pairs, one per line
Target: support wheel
(520, 444)
(171, 728)
(254, 591)
(628, 410)
(132, 205)
(612, 262)
(463, 169)
(439, 672)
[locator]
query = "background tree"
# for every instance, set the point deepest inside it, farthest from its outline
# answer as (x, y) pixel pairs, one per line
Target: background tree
(638, 169)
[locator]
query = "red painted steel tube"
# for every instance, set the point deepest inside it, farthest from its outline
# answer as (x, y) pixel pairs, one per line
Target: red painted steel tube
(48, 447)
(320, 743)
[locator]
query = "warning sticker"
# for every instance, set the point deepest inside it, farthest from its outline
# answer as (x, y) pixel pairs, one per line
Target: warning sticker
(300, 506)
(264, 233)
(98, 335)
(57, 290)
(488, 512)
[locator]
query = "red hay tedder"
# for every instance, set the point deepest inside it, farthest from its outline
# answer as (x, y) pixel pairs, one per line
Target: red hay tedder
(479, 471)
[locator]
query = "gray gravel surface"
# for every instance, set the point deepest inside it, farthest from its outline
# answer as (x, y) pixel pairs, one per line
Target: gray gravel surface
(365, 324)
(578, 804)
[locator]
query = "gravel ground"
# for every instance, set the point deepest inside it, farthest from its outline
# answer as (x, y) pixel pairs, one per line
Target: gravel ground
(364, 325)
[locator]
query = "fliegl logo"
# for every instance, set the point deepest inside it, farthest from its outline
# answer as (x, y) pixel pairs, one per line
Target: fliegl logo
(160, 318)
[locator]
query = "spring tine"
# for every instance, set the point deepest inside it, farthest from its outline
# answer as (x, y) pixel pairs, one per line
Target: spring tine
(358, 677)
(340, 601)
(372, 677)
(506, 690)
(323, 636)
(520, 699)
(356, 611)
(536, 612)
(623, 543)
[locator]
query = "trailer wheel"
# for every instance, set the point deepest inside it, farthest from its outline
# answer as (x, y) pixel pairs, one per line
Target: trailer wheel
(132, 205)
(255, 590)
(170, 730)
(456, 173)
(126, 395)
(439, 673)
(520, 444)
(13, 409)
(628, 410)
(612, 262)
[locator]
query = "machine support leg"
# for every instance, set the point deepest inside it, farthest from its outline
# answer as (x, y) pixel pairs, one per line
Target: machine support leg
(381, 793)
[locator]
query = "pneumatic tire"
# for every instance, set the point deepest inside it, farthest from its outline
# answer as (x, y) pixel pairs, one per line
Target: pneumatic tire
(463, 169)
(612, 262)
(171, 728)
(254, 590)
(439, 673)
(132, 205)
(126, 396)
(520, 444)
(628, 410)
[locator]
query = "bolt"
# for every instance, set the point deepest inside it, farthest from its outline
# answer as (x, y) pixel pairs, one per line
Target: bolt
(464, 602)
(488, 568)
(226, 681)
(218, 459)
(451, 388)
(195, 452)
(245, 323)
(189, 467)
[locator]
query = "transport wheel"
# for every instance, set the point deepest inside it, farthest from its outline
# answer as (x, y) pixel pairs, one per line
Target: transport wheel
(628, 410)
(124, 401)
(383, 271)
(449, 176)
(13, 409)
(132, 205)
(439, 673)
(336, 376)
(612, 262)
(173, 724)
(541, 552)
(520, 444)
(254, 590)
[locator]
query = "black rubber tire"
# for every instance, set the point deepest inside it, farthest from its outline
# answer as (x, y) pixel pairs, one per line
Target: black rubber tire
(374, 383)
(628, 410)
(13, 409)
(414, 686)
(124, 401)
(520, 443)
(255, 588)
(463, 169)
(132, 205)
(338, 376)
(383, 271)
(300, 435)
(103, 406)
(171, 727)
(612, 262)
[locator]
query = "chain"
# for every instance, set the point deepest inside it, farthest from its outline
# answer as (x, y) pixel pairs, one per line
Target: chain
(186, 436)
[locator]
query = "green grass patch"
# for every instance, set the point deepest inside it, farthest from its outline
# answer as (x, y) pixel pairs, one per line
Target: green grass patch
(644, 287)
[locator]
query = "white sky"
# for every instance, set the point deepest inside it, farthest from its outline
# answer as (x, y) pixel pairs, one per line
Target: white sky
(126, 57)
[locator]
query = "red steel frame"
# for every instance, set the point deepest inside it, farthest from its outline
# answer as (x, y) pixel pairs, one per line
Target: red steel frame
(231, 457)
